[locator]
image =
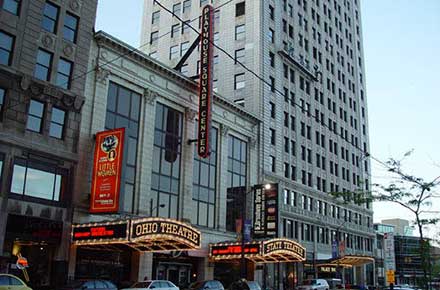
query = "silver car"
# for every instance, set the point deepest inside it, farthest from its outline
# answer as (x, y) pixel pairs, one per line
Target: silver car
(153, 284)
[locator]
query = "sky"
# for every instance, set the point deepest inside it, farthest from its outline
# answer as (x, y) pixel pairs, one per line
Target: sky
(402, 58)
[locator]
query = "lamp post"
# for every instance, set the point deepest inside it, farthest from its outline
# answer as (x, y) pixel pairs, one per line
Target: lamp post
(243, 217)
(153, 208)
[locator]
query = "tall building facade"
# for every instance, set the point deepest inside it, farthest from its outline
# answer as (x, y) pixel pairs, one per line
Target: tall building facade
(310, 93)
(44, 48)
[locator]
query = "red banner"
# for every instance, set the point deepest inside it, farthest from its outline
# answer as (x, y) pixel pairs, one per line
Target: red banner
(107, 168)
(205, 96)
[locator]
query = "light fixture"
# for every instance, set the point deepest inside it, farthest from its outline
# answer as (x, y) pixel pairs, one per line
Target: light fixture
(267, 186)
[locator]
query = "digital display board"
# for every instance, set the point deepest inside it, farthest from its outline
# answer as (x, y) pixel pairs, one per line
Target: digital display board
(107, 232)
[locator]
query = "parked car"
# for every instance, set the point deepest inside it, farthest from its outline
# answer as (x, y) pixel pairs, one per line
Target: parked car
(244, 285)
(314, 284)
(334, 283)
(11, 282)
(153, 284)
(90, 284)
(208, 284)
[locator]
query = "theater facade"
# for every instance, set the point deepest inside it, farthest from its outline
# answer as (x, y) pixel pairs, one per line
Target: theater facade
(171, 204)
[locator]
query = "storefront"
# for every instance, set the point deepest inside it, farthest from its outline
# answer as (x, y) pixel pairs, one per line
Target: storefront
(37, 240)
(344, 268)
(262, 260)
(115, 247)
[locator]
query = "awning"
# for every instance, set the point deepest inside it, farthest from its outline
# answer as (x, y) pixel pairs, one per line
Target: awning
(142, 234)
(348, 261)
(269, 251)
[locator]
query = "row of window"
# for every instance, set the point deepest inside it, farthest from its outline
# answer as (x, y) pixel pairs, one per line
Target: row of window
(307, 232)
(50, 22)
(43, 62)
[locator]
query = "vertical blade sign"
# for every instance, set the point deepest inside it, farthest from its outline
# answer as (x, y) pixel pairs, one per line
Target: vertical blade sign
(107, 169)
(205, 83)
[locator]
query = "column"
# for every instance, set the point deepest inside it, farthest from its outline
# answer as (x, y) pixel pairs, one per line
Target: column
(205, 269)
(141, 265)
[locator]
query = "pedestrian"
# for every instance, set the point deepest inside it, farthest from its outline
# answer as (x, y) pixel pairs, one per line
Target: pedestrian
(391, 286)
(146, 278)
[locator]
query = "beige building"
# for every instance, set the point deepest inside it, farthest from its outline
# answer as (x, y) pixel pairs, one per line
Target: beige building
(162, 178)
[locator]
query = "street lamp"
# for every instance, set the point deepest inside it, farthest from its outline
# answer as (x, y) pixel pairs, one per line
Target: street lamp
(162, 205)
(243, 271)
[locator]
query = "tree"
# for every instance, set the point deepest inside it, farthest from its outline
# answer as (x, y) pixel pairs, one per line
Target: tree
(411, 192)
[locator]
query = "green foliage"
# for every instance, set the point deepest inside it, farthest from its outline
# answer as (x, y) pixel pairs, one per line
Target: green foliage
(411, 192)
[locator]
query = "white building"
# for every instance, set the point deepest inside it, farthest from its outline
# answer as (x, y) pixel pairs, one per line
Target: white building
(164, 179)
(313, 106)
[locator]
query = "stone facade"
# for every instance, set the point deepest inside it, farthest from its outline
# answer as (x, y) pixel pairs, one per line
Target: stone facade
(39, 149)
(158, 84)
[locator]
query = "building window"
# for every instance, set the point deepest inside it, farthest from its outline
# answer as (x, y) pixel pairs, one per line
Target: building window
(176, 9)
(240, 32)
(271, 35)
(184, 47)
(204, 185)
(237, 177)
(155, 17)
(239, 81)
(2, 99)
(70, 27)
(154, 37)
(186, 6)
(272, 136)
(64, 73)
(11, 6)
(174, 51)
(57, 121)
(272, 59)
(6, 47)
(35, 116)
(239, 55)
(203, 2)
(185, 26)
(43, 65)
(272, 166)
(165, 178)
(39, 180)
(239, 9)
(123, 107)
(175, 30)
(271, 12)
(50, 17)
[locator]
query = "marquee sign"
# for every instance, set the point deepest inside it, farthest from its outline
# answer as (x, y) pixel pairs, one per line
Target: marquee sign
(276, 246)
(107, 169)
(205, 83)
(268, 251)
(266, 211)
(162, 228)
(143, 234)
(233, 251)
(99, 232)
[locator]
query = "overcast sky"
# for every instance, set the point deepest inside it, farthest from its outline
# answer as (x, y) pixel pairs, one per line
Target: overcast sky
(402, 56)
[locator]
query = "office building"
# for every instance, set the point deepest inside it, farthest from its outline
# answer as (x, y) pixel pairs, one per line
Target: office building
(313, 105)
(44, 48)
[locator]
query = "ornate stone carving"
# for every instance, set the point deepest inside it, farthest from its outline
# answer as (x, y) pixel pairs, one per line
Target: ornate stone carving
(224, 130)
(47, 41)
(25, 82)
(190, 114)
(225, 114)
(104, 55)
(68, 50)
(75, 5)
(102, 75)
(152, 78)
(35, 90)
(150, 96)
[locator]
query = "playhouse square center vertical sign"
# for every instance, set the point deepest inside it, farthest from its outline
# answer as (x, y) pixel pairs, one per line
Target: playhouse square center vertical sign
(107, 168)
